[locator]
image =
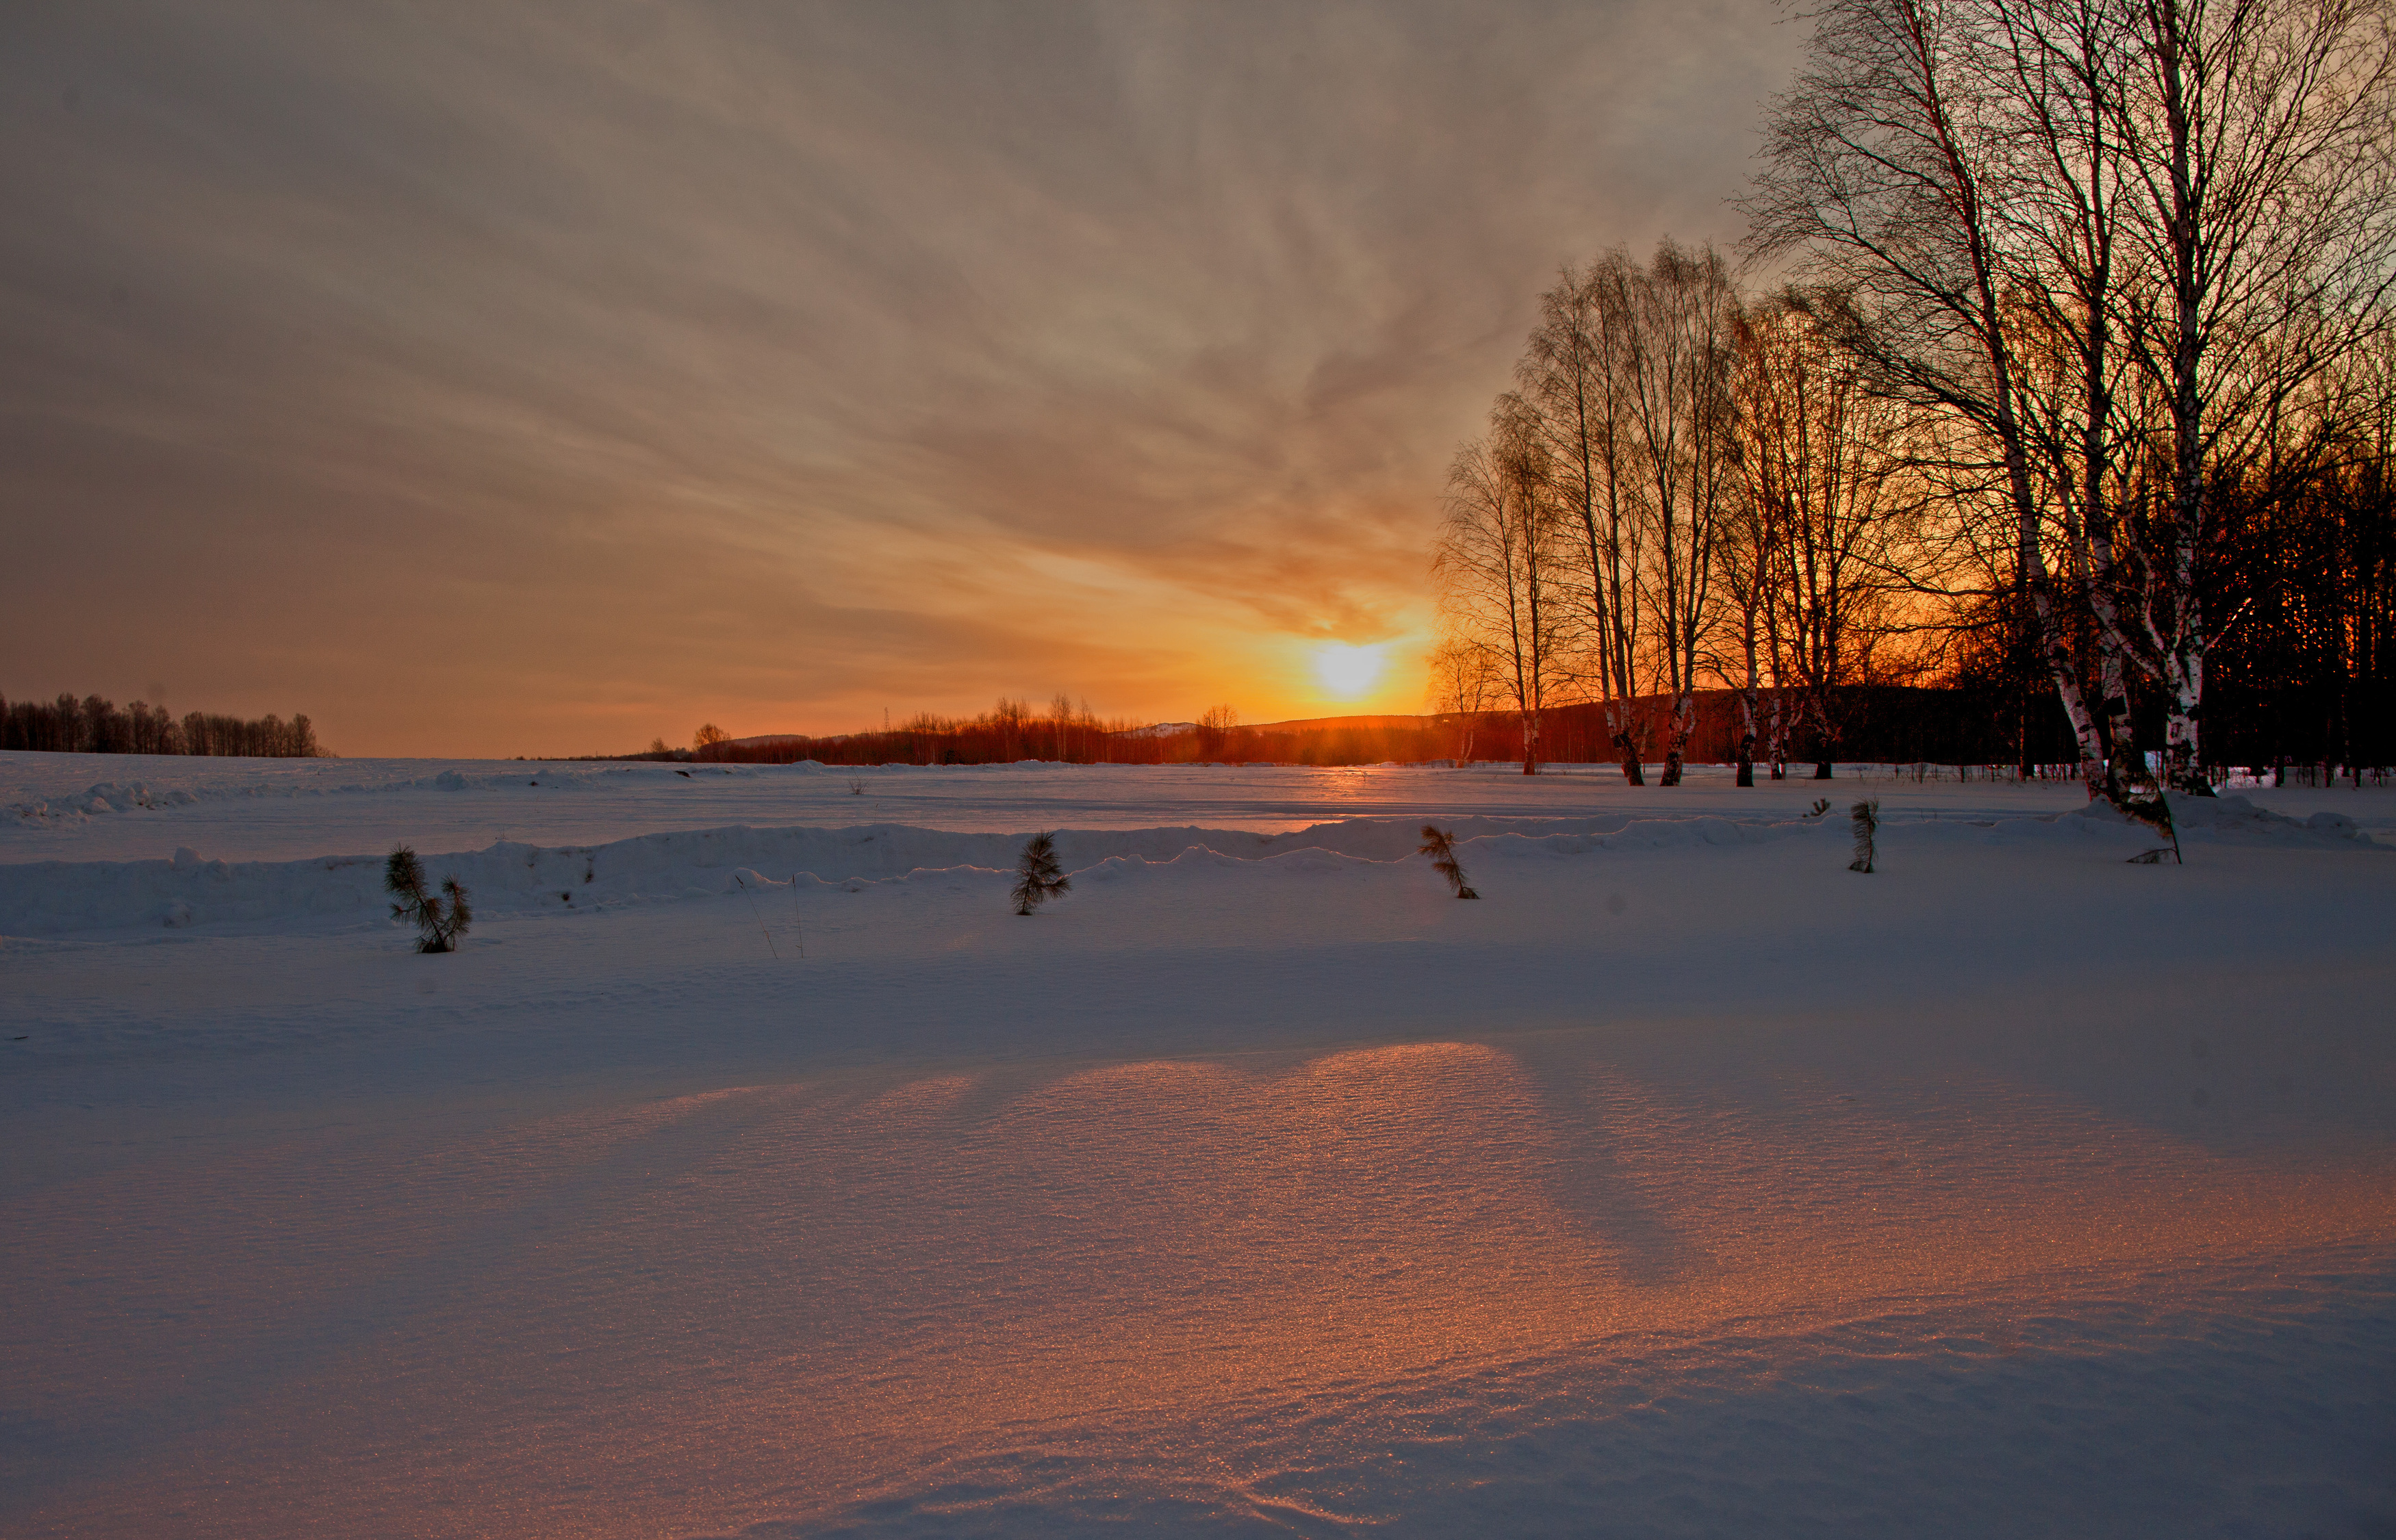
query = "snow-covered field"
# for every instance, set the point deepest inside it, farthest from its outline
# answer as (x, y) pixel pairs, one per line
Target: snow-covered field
(753, 1171)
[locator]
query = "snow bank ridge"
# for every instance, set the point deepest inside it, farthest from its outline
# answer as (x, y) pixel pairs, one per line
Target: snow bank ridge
(126, 797)
(108, 797)
(60, 897)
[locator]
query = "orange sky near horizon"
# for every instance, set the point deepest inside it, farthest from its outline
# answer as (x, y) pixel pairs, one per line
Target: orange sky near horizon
(513, 380)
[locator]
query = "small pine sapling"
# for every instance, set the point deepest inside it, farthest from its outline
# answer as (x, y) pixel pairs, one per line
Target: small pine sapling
(1440, 846)
(1038, 877)
(438, 925)
(1866, 816)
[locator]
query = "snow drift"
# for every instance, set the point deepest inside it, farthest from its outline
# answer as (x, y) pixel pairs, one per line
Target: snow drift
(57, 897)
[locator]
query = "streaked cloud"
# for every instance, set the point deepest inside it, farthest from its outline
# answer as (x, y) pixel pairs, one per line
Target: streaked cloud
(532, 379)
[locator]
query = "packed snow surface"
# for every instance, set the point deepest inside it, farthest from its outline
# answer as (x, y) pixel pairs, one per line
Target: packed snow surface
(753, 1171)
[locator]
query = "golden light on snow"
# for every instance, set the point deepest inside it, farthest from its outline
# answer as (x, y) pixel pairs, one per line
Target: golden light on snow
(842, 1282)
(1349, 672)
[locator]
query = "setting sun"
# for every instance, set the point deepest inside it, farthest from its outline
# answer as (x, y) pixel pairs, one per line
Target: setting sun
(1348, 671)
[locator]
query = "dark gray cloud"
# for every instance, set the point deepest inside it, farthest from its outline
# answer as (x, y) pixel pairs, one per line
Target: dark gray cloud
(502, 379)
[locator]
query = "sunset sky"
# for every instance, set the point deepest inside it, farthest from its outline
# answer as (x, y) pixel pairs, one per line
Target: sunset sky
(492, 379)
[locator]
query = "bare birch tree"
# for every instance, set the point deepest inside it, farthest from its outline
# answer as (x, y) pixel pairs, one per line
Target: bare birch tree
(1577, 373)
(1884, 160)
(2064, 67)
(1684, 311)
(2262, 148)
(1750, 577)
(1831, 498)
(2120, 239)
(1501, 564)
(1464, 684)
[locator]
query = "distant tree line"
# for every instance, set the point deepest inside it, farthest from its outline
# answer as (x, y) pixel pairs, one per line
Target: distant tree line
(2084, 389)
(1070, 733)
(1011, 730)
(95, 726)
(1881, 724)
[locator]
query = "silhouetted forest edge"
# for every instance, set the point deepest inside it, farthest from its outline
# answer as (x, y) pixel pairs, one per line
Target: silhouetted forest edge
(96, 725)
(1873, 723)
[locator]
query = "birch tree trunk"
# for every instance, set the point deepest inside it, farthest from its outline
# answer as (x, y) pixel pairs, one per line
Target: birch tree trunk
(1746, 706)
(1685, 311)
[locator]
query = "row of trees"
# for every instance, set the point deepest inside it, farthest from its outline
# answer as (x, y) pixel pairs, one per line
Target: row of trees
(1877, 724)
(1071, 733)
(1011, 730)
(2085, 372)
(95, 726)
(1688, 487)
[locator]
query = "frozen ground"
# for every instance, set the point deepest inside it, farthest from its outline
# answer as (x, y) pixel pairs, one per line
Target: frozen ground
(1688, 1184)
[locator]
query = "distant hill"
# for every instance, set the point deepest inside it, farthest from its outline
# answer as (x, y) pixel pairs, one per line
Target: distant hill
(1301, 725)
(1319, 725)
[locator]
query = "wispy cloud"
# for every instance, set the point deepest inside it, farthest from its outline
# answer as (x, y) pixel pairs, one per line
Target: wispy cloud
(535, 379)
